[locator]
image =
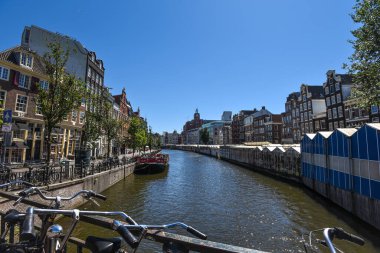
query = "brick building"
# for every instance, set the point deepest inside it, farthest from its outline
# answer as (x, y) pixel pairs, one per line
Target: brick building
(20, 71)
(312, 109)
(290, 119)
(337, 89)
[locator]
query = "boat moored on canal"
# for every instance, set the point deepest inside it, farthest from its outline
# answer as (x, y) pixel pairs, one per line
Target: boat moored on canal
(151, 164)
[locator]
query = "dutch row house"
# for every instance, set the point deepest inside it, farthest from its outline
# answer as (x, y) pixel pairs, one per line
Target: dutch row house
(21, 69)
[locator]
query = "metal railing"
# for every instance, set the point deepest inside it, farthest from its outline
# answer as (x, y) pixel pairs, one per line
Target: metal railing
(45, 175)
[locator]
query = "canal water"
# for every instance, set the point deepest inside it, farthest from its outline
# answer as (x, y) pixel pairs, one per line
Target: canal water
(230, 204)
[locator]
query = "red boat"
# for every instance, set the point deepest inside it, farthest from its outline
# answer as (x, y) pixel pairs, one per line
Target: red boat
(151, 164)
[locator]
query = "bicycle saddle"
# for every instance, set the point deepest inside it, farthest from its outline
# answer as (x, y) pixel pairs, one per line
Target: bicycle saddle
(103, 245)
(13, 216)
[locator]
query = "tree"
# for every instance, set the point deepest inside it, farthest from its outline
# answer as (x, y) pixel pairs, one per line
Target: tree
(365, 61)
(136, 133)
(205, 137)
(63, 94)
(111, 127)
(92, 128)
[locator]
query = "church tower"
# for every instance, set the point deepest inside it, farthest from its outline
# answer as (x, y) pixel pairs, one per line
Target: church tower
(196, 115)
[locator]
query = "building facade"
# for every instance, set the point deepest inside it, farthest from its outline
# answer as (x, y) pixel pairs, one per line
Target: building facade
(21, 70)
(290, 119)
(311, 104)
(337, 90)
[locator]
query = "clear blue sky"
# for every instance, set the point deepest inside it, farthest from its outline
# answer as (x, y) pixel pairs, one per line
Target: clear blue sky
(174, 56)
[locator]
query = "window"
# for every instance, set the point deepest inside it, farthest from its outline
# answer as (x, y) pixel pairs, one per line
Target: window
(374, 109)
(335, 114)
(89, 72)
(336, 124)
(309, 104)
(44, 85)
(326, 90)
(331, 126)
(23, 81)
(81, 117)
(329, 113)
(333, 100)
(341, 124)
(332, 89)
(26, 60)
(65, 117)
(4, 73)
(338, 98)
(38, 109)
(2, 99)
(337, 86)
(21, 103)
(340, 111)
(74, 116)
(83, 102)
(328, 101)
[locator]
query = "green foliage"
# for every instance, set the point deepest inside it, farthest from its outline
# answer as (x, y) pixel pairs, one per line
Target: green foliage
(63, 95)
(137, 133)
(92, 128)
(111, 127)
(205, 137)
(365, 61)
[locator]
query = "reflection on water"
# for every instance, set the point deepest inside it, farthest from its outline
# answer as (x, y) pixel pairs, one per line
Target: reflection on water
(230, 204)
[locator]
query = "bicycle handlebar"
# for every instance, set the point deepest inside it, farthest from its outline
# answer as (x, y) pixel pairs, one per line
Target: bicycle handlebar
(87, 193)
(28, 230)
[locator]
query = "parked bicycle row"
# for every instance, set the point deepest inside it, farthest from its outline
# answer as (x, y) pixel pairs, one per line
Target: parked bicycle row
(52, 238)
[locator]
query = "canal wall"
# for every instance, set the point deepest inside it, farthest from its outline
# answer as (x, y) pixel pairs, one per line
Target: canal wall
(97, 182)
(342, 165)
(281, 161)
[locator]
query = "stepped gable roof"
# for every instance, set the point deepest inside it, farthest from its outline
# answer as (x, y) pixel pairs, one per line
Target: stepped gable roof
(9, 55)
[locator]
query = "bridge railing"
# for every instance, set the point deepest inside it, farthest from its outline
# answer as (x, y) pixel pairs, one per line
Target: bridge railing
(190, 243)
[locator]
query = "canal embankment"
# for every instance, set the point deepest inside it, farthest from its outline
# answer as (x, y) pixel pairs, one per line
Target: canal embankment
(342, 166)
(97, 181)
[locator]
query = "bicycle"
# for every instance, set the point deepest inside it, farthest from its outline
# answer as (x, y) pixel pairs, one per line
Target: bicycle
(329, 235)
(49, 232)
(98, 244)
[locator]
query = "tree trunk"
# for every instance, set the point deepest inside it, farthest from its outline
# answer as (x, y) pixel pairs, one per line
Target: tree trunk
(108, 148)
(48, 146)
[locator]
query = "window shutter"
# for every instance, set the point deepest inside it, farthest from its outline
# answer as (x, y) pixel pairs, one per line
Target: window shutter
(16, 77)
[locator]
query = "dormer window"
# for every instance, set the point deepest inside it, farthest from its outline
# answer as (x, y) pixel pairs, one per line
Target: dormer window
(26, 60)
